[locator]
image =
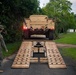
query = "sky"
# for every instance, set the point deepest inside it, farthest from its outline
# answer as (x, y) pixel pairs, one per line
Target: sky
(43, 3)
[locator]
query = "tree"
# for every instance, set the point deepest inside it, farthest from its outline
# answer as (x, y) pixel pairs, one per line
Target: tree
(12, 13)
(60, 11)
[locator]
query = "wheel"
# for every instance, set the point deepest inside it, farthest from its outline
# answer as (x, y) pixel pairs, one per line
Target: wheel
(47, 33)
(26, 34)
(51, 34)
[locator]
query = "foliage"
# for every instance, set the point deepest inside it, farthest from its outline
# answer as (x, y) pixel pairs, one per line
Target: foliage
(12, 13)
(60, 11)
(12, 47)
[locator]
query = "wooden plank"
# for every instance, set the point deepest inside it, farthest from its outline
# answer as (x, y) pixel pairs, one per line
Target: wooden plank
(43, 60)
(57, 66)
(34, 60)
(35, 49)
(41, 50)
(31, 53)
(20, 66)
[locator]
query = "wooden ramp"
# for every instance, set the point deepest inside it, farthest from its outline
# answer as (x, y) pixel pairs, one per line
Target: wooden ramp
(51, 53)
(54, 57)
(22, 59)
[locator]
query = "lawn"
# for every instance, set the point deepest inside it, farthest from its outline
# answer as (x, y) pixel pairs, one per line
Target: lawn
(69, 52)
(69, 38)
(12, 48)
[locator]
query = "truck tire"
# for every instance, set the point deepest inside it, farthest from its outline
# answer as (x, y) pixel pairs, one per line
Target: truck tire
(51, 35)
(26, 34)
(47, 33)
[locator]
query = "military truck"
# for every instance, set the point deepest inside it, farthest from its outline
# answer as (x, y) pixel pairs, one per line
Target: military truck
(38, 25)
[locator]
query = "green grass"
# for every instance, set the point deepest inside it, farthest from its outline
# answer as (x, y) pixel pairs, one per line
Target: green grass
(69, 38)
(69, 52)
(12, 48)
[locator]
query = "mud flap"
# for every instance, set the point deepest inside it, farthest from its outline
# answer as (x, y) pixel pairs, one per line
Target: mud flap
(51, 34)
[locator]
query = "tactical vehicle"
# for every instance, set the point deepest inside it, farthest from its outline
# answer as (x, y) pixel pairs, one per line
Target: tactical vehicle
(38, 25)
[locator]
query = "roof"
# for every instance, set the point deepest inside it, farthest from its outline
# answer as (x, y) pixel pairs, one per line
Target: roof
(38, 16)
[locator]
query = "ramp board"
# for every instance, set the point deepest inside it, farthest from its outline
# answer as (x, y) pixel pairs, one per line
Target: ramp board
(34, 60)
(22, 59)
(43, 60)
(55, 59)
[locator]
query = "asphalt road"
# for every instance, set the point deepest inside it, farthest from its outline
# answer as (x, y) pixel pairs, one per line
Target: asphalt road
(36, 69)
